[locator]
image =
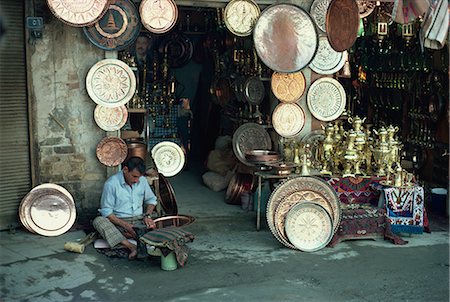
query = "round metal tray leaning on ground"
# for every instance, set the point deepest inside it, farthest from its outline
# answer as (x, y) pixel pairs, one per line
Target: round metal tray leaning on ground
(309, 227)
(111, 83)
(78, 13)
(288, 87)
(167, 194)
(285, 38)
(288, 119)
(326, 99)
(169, 158)
(118, 28)
(47, 211)
(111, 151)
(248, 137)
(298, 184)
(110, 118)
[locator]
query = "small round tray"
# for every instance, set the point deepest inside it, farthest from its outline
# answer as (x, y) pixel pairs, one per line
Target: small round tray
(169, 158)
(78, 13)
(327, 60)
(288, 119)
(326, 99)
(110, 118)
(111, 151)
(288, 87)
(158, 16)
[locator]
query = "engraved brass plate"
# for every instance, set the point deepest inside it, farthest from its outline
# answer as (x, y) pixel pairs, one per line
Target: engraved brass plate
(342, 24)
(248, 137)
(318, 12)
(288, 87)
(326, 99)
(240, 16)
(78, 13)
(169, 158)
(288, 119)
(327, 60)
(158, 16)
(110, 118)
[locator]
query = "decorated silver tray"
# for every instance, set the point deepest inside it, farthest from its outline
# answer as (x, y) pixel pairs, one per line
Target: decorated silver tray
(288, 87)
(111, 83)
(110, 118)
(318, 12)
(158, 16)
(288, 119)
(78, 13)
(248, 137)
(169, 158)
(285, 38)
(326, 99)
(309, 227)
(240, 16)
(327, 60)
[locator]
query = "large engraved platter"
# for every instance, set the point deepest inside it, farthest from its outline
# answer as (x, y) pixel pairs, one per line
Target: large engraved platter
(285, 38)
(158, 16)
(327, 60)
(110, 118)
(78, 13)
(118, 28)
(288, 119)
(111, 83)
(47, 211)
(309, 227)
(168, 157)
(342, 24)
(326, 99)
(318, 12)
(288, 87)
(248, 137)
(309, 185)
(111, 151)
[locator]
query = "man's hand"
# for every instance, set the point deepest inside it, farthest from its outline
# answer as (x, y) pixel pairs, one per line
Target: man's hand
(130, 233)
(149, 223)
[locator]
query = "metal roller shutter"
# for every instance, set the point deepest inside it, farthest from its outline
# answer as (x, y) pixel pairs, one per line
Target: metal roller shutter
(15, 177)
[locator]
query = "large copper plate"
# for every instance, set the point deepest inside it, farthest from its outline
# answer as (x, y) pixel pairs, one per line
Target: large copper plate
(285, 38)
(309, 227)
(327, 60)
(326, 99)
(110, 118)
(48, 211)
(111, 151)
(365, 7)
(168, 157)
(288, 119)
(299, 184)
(168, 201)
(318, 12)
(342, 24)
(118, 28)
(158, 16)
(288, 87)
(111, 83)
(296, 198)
(78, 13)
(248, 137)
(240, 16)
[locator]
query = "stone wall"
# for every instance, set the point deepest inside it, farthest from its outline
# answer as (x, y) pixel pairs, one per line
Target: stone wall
(65, 133)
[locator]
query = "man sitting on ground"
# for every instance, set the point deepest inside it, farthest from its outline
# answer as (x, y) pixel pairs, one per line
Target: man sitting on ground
(122, 209)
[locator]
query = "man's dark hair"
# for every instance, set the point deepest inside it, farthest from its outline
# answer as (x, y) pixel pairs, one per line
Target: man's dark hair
(135, 163)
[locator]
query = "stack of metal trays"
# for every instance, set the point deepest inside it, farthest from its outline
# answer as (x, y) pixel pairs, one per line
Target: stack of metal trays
(304, 213)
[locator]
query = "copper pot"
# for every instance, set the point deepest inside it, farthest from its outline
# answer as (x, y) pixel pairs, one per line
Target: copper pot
(137, 149)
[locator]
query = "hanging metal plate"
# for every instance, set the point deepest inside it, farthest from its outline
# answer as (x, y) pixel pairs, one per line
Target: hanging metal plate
(288, 87)
(318, 12)
(288, 119)
(169, 158)
(240, 16)
(342, 24)
(327, 60)
(326, 99)
(158, 16)
(110, 118)
(111, 151)
(78, 13)
(248, 137)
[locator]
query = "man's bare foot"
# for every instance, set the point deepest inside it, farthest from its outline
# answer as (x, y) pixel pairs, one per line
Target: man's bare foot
(133, 254)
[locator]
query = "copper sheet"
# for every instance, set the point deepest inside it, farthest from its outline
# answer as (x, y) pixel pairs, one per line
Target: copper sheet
(288, 87)
(48, 212)
(248, 137)
(111, 151)
(299, 184)
(285, 38)
(342, 24)
(168, 200)
(78, 13)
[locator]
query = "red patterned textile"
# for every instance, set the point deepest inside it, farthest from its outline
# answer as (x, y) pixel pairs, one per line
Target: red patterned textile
(356, 189)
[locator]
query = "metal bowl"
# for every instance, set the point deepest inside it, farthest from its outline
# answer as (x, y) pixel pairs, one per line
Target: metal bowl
(173, 221)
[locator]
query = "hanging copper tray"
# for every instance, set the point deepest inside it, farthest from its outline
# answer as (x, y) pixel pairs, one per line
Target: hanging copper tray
(298, 184)
(327, 60)
(111, 151)
(342, 24)
(179, 49)
(288, 119)
(173, 221)
(158, 16)
(309, 227)
(47, 212)
(248, 137)
(318, 12)
(78, 13)
(118, 28)
(111, 83)
(288, 87)
(220, 91)
(285, 38)
(169, 158)
(167, 195)
(326, 99)
(110, 118)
